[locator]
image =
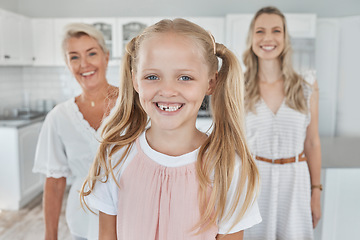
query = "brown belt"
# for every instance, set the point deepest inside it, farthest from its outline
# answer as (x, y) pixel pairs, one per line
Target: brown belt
(301, 158)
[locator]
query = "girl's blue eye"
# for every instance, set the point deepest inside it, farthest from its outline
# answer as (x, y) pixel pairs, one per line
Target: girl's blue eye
(74, 57)
(185, 78)
(152, 77)
(260, 31)
(277, 31)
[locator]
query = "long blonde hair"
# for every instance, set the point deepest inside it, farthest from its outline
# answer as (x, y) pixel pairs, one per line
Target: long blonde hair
(293, 82)
(216, 155)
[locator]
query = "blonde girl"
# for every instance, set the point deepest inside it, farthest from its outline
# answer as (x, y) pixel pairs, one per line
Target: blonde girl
(156, 176)
(282, 130)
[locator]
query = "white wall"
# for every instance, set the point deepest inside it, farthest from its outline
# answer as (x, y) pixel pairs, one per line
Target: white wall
(11, 85)
(349, 78)
(124, 8)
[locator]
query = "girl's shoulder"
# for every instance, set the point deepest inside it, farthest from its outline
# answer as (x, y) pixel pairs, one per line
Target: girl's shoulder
(115, 159)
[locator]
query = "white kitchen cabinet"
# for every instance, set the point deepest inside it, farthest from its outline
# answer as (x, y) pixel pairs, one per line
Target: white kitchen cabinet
(59, 24)
(18, 185)
(109, 29)
(216, 25)
(43, 36)
(27, 53)
(11, 38)
(237, 27)
(127, 28)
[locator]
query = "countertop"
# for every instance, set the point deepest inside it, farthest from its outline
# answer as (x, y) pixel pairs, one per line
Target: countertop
(19, 123)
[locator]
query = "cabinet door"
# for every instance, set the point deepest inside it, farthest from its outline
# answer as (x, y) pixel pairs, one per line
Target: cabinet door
(59, 24)
(11, 35)
(301, 25)
(30, 182)
(127, 28)
(237, 27)
(43, 42)
(27, 56)
(216, 25)
(108, 27)
(1, 39)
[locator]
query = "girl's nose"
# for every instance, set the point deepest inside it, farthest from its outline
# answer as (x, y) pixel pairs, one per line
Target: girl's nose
(168, 89)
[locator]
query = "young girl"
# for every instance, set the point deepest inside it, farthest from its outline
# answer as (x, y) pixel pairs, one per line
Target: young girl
(171, 181)
(282, 130)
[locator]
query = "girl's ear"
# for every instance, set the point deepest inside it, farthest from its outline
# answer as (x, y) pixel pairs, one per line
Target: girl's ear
(135, 84)
(212, 84)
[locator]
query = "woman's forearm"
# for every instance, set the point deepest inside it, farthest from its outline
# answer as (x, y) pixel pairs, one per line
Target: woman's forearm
(52, 201)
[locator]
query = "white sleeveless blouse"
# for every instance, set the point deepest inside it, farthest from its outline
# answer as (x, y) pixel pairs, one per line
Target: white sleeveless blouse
(279, 135)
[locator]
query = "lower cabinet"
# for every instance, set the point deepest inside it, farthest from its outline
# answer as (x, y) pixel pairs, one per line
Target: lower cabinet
(18, 184)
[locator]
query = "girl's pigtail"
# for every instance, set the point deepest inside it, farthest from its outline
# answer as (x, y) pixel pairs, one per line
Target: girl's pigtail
(219, 155)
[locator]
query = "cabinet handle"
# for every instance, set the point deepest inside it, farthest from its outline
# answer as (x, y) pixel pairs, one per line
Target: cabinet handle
(7, 56)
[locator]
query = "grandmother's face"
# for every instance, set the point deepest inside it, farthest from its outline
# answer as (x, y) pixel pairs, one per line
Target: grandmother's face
(87, 61)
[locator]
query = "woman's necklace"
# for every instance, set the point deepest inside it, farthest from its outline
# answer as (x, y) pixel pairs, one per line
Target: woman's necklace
(92, 103)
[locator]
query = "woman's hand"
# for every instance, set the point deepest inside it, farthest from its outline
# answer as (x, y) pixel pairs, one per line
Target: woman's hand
(315, 206)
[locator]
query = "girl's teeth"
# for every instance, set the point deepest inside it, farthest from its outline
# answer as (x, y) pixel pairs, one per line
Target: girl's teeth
(88, 73)
(168, 108)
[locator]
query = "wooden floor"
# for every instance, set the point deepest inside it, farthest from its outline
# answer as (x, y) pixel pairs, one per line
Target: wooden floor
(28, 223)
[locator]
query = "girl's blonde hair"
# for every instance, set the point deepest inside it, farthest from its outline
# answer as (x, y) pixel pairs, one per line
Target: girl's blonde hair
(82, 29)
(293, 82)
(217, 154)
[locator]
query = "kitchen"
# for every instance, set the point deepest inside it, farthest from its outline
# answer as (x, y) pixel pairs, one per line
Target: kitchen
(30, 84)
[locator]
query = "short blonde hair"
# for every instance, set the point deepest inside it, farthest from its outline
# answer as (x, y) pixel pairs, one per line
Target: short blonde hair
(82, 29)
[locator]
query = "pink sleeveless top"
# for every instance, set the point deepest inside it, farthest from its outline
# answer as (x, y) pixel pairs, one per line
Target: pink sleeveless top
(160, 203)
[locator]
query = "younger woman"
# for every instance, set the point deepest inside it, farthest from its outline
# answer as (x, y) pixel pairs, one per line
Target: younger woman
(282, 130)
(171, 181)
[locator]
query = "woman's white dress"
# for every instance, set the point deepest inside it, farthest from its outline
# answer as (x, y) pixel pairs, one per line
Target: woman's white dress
(66, 148)
(285, 193)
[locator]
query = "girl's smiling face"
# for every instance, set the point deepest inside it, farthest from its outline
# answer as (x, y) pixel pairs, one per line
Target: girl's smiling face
(172, 79)
(268, 36)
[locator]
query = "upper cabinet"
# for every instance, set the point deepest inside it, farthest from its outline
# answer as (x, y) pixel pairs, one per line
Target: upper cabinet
(10, 35)
(58, 34)
(43, 42)
(109, 30)
(15, 39)
(127, 28)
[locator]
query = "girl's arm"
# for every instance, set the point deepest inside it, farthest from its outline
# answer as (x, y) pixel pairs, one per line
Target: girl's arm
(233, 236)
(52, 200)
(107, 226)
(313, 153)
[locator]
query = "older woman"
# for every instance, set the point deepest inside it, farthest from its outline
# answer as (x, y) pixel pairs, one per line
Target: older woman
(69, 138)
